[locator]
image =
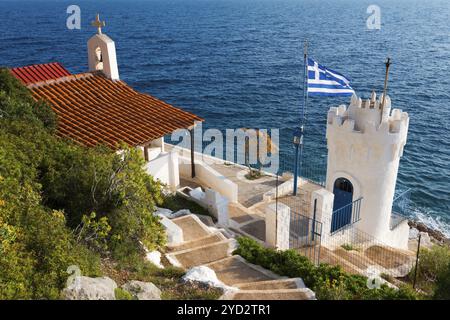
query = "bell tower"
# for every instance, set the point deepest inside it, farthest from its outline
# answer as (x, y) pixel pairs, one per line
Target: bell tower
(102, 52)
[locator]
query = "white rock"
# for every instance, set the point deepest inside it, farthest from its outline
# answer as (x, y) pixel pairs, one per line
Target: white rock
(206, 276)
(413, 233)
(155, 258)
(85, 288)
(182, 212)
(170, 214)
(197, 193)
(163, 211)
(142, 290)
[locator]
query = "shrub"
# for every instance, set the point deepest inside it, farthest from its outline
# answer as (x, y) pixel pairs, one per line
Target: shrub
(16, 103)
(432, 263)
(442, 291)
(49, 186)
(122, 294)
(176, 202)
(348, 247)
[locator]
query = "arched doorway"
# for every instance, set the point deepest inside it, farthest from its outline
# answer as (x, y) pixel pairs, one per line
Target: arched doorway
(342, 210)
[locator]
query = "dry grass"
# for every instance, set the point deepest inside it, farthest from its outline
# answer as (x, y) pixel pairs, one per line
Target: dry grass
(168, 280)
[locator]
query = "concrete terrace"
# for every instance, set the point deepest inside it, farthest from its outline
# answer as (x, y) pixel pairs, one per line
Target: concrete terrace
(250, 191)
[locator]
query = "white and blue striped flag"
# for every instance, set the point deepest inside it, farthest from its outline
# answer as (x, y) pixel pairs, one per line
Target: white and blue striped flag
(326, 82)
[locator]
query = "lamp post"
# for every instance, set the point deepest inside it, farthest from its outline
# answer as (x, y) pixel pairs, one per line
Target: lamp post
(298, 145)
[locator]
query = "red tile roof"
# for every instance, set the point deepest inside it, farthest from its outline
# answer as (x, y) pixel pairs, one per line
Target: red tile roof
(93, 109)
(40, 72)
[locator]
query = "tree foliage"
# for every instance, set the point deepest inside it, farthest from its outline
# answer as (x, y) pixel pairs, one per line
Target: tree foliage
(62, 204)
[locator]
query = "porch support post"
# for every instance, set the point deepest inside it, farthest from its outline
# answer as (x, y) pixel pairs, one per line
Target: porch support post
(192, 153)
(146, 153)
(278, 219)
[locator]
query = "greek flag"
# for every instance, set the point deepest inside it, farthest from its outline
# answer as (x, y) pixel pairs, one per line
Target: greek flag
(326, 82)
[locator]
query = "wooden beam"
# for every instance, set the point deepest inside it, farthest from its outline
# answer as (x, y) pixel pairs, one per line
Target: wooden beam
(146, 153)
(192, 153)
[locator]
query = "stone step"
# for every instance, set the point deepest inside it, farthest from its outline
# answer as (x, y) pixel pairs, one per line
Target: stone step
(202, 255)
(192, 227)
(327, 256)
(239, 213)
(235, 270)
(354, 257)
(209, 239)
(280, 284)
(389, 258)
(284, 294)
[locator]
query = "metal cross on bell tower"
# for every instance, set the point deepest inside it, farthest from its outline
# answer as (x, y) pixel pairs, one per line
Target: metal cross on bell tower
(98, 24)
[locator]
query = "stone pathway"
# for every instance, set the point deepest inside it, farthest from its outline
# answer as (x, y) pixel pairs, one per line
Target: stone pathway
(205, 246)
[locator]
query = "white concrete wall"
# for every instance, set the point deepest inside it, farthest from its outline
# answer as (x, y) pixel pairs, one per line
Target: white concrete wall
(278, 226)
(398, 236)
(173, 232)
(209, 177)
(165, 168)
(324, 210)
(214, 202)
(367, 153)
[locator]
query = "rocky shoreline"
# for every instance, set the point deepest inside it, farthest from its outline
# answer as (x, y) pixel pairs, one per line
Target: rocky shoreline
(435, 235)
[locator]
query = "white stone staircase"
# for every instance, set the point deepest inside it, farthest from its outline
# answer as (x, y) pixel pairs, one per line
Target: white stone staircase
(207, 246)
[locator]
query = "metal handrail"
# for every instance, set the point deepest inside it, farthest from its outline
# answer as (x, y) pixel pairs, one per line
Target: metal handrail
(355, 214)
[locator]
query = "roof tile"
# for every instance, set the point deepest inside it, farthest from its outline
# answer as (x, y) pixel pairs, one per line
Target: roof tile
(40, 72)
(93, 109)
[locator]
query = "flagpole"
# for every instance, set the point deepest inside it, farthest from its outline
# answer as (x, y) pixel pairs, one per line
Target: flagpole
(298, 134)
(388, 64)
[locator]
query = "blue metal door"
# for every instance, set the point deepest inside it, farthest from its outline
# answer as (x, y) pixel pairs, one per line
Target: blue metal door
(342, 207)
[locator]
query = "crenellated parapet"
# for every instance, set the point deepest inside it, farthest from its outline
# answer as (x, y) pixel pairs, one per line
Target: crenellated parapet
(366, 123)
(365, 143)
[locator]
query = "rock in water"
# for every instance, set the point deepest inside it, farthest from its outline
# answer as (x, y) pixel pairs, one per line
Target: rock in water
(85, 288)
(142, 290)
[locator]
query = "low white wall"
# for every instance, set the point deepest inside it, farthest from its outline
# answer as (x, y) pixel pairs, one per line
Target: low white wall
(209, 177)
(398, 237)
(284, 189)
(214, 202)
(165, 168)
(173, 232)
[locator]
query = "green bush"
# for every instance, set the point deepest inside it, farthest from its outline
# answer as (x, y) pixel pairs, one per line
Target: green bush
(432, 263)
(16, 103)
(36, 246)
(442, 291)
(48, 189)
(176, 202)
(328, 282)
(122, 294)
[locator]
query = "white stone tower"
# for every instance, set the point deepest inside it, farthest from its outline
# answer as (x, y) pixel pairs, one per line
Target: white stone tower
(102, 53)
(365, 142)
